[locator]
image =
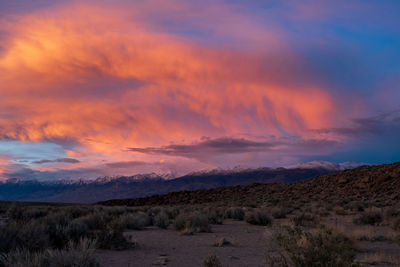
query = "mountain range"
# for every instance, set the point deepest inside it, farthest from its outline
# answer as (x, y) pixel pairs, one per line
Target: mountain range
(142, 185)
(374, 184)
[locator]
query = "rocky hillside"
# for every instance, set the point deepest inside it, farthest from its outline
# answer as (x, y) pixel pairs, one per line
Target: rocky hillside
(379, 184)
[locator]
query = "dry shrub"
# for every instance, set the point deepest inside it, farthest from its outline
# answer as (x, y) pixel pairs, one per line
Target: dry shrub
(259, 217)
(212, 261)
(279, 212)
(215, 216)
(8, 237)
(76, 254)
(235, 213)
(161, 220)
(222, 242)
(135, 221)
(357, 206)
(372, 218)
(393, 212)
(94, 221)
(113, 239)
(305, 220)
(322, 248)
(396, 225)
(340, 211)
(366, 233)
(380, 258)
(192, 222)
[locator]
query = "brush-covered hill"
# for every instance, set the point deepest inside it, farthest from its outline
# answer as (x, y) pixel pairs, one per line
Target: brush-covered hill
(379, 184)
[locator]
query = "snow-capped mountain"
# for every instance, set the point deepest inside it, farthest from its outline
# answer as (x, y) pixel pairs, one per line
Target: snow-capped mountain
(141, 185)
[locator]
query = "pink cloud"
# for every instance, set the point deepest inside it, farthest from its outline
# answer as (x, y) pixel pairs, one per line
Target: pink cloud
(102, 78)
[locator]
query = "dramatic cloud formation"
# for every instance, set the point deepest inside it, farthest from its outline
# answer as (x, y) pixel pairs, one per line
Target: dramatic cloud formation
(134, 87)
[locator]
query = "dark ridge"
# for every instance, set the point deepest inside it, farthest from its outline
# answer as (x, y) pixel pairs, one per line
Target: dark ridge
(379, 184)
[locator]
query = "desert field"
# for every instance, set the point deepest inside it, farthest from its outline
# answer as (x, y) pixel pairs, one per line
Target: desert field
(291, 233)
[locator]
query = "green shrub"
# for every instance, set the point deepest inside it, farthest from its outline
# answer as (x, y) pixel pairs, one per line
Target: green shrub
(212, 261)
(235, 213)
(371, 218)
(259, 217)
(161, 220)
(323, 248)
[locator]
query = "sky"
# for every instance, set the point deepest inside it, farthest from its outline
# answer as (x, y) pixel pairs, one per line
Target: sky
(104, 88)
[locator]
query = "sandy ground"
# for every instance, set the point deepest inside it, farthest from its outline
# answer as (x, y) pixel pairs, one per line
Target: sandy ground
(155, 245)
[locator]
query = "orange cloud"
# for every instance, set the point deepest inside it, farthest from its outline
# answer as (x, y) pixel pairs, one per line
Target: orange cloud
(105, 79)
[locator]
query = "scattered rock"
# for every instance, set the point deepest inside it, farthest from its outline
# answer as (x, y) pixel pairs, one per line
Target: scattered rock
(222, 242)
(162, 260)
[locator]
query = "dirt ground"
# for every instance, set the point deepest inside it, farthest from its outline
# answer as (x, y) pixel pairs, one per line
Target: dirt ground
(250, 245)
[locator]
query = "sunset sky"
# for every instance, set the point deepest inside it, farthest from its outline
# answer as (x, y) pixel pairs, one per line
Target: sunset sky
(94, 88)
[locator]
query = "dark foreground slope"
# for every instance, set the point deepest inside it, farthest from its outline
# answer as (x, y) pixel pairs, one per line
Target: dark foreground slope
(379, 184)
(146, 185)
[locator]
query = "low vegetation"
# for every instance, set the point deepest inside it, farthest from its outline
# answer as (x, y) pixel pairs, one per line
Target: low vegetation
(371, 218)
(259, 217)
(212, 261)
(192, 222)
(321, 248)
(64, 236)
(74, 254)
(236, 213)
(68, 235)
(305, 219)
